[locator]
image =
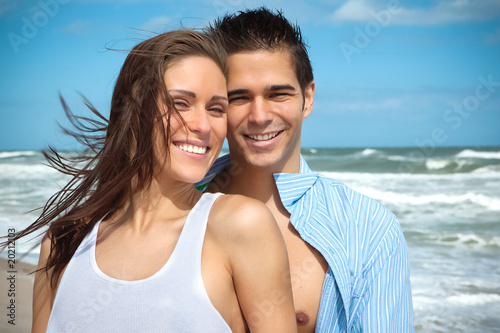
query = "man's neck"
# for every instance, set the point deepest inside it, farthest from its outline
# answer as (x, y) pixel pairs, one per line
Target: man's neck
(251, 182)
(255, 183)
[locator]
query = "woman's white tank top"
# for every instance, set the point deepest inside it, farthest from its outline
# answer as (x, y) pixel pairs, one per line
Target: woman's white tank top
(174, 299)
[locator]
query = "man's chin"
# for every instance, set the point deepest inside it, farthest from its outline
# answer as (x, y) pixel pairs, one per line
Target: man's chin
(263, 160)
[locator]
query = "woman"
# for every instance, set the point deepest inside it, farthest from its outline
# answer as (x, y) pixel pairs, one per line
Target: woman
(132, 246)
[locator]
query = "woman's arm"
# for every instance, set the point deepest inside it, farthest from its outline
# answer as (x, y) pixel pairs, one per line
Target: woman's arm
(43, 294)
(259, 264)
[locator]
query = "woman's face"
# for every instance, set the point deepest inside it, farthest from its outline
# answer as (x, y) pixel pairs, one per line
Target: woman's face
(198, 89)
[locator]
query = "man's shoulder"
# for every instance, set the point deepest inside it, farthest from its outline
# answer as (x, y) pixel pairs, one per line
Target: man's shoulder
(347, 206)
(355, 198)
(342, 202)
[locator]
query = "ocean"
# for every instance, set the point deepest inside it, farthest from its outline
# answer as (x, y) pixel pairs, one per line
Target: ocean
(446, 199)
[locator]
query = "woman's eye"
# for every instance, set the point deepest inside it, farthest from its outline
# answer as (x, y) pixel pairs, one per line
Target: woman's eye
(217, 109)
(181, 104)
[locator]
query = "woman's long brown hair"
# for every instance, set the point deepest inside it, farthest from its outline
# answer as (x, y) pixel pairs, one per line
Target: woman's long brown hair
(120, 155)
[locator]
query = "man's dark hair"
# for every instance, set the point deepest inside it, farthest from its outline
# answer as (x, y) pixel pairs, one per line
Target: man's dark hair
(262, 29)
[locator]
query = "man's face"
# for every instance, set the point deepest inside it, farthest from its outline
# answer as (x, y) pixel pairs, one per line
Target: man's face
(266, 110)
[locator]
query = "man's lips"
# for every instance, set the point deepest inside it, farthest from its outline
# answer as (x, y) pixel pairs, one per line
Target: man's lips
(263, 137)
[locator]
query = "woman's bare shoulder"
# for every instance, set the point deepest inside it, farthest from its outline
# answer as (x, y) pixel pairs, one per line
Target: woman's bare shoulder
(239, 216)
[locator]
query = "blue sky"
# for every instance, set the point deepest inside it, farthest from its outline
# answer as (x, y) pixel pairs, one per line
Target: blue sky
(388, 73)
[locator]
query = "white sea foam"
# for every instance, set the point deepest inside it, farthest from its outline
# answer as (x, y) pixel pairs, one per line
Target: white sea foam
(380, 176)
(26, 171)
(475, 299)
(368, 151)
(491, 203)
(436, 164)
(470, 240)
(8, 154)
(397, 158)
(386, 176)
(422, 302)
(489, 169)
(469, 153)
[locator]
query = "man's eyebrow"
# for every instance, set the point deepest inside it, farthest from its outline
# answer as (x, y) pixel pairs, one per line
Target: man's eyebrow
(184, 92)
(269, 88)
(237, 92)
(280, 87)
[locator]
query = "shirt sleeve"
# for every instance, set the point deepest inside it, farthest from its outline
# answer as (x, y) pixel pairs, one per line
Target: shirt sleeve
(388, 300)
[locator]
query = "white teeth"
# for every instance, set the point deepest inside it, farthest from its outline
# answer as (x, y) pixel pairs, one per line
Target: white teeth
(193, 149)
(263, 137)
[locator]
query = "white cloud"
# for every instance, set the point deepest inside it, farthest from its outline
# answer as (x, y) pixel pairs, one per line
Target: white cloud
(443, 12)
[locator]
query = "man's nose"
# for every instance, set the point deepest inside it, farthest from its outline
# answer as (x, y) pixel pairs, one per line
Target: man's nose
(259, 111)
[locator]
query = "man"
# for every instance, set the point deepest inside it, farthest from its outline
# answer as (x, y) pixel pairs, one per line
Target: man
(348, 257)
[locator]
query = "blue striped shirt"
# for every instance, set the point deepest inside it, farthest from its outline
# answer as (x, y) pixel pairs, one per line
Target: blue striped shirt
(367, 286)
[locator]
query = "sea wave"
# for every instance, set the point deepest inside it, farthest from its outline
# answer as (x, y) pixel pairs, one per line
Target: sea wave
(26, 171)
(488, 169)
(397, 158)
(376, 161)
(475, 299)
(469, 153)
(488, 202)
(452, 166)
(10, 154)
(437, 164)
(482, 174)
(369, 151)
(470, 240)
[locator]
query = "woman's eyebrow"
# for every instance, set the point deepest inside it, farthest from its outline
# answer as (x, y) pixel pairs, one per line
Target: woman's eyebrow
(217, 97)
(184, 92)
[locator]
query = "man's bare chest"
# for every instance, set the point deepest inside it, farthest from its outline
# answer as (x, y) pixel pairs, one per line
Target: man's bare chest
(307, 273)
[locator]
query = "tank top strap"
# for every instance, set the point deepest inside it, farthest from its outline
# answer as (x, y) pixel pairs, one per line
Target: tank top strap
(190, 243)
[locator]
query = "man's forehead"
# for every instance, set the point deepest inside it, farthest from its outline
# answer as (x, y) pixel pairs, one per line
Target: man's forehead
(268, 69)
(258, 55)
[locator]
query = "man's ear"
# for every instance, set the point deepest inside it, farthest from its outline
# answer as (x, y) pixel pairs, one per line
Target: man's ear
(308, 100)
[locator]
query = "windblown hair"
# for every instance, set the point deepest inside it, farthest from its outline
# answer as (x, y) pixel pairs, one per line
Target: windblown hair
(121, 155)
(261, 29)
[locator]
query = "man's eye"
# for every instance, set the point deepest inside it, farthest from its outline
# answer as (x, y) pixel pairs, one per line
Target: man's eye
(279, 94)
(237, 98)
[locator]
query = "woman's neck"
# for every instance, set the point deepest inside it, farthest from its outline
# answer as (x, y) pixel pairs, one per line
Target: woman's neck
(158, 203)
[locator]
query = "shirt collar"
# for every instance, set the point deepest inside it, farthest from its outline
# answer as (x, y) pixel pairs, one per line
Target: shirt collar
(292, 186)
